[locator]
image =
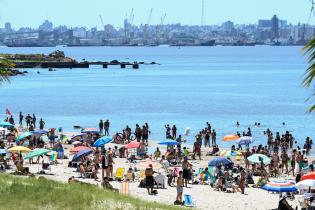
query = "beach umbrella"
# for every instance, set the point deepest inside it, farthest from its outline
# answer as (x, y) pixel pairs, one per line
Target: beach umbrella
(3, 152)
(310, 175)
(90, 130)
(23, 135)
(19, 149)
(36, 152)
(6, 124)
(306, 184)
(280, 186)
(132, 145)
(81, 135)
(78, 149)
(102, 141)
(245, 140)
(77, 142)
(40, 132)
(219, 161)
(81, 153)
(168, 142)
(231, 137)
(255, 158)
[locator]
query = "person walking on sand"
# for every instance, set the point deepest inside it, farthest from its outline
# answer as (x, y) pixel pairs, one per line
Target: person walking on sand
(149, 180)
(106, 127)
(180, 188)
(101, 127)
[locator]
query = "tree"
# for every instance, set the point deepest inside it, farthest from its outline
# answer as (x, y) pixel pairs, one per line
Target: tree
(309, 51)
(5, 70)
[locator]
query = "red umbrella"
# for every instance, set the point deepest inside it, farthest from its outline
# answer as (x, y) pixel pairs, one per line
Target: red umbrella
(78, 149)
(310, 175)
(132, 145)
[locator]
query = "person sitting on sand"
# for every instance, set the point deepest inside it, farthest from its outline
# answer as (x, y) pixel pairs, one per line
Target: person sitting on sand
(235, 187)
(106, 185)
(130, 176)
(72, 180)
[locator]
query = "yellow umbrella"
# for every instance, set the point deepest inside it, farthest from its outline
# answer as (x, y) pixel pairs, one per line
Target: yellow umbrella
(19, 149)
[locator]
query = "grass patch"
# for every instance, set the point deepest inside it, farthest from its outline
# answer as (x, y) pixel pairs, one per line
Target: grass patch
(21, 193)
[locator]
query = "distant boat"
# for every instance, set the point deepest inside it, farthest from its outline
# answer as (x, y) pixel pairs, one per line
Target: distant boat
(208, 43)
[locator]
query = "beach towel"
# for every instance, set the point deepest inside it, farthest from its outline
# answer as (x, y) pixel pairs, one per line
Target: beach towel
(125, 188)
(53, 157)
(119, 173)
(188, 201)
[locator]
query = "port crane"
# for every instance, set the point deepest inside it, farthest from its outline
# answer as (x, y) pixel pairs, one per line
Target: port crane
(104, 27)
(145, 29)
(159, 29)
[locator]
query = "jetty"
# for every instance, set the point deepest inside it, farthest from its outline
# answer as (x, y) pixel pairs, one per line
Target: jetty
(57, 59)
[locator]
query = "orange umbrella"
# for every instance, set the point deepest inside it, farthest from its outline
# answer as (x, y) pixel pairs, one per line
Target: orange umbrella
(310, 175)
(78, 149)
(230, 137)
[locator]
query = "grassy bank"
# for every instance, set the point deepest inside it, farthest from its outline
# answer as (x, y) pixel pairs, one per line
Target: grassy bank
(31, 193)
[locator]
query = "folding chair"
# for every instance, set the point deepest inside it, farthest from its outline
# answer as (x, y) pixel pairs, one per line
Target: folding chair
(119, 174)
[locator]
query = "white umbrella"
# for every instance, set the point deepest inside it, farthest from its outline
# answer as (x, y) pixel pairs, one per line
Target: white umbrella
(306, 184)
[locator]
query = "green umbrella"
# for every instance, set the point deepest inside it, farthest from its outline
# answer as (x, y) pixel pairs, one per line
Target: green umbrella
(37, 152)
(23, 135)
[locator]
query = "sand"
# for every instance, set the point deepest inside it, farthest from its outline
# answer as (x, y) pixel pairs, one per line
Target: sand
(204, 196)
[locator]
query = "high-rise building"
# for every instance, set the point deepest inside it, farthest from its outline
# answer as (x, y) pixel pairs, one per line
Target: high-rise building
(7, 27)
(264, 23)
(228, 26)
(275, 27)
(46, 26)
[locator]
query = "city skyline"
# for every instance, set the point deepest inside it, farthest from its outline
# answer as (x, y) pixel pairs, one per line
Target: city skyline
(32, 13)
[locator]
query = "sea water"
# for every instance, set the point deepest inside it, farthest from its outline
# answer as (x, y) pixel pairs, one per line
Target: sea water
(189, 87)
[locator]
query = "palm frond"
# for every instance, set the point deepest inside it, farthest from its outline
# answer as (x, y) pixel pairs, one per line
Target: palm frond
(309, 51)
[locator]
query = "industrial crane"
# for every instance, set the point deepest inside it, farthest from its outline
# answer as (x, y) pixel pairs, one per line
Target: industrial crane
(159, 29)
(145, 30)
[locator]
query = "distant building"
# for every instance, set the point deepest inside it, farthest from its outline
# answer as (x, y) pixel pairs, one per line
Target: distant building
(7, 27)
(274, 27)
(46, 26)
(227, 26)
(264, 23)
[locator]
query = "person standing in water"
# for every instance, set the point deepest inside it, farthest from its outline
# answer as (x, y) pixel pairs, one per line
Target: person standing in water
(174, 132)
(106, 127)
(101, 127)
(21, 118)
(34, 120)
(214, 137)
(41, 124)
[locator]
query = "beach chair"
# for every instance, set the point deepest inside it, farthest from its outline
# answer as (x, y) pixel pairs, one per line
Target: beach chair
(125, 188)
(119, 174)
(160, 181)
(188, 201)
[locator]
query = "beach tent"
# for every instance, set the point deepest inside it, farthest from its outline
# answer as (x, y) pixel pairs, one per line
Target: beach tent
(132, 145)
(255, 158)
(219, 161)
(19, 149)
(231, 137)
(168, 142)
(37, 152)
(280, 186)
(102, 141)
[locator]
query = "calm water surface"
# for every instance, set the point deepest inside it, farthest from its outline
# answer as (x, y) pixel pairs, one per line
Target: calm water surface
(192, 85)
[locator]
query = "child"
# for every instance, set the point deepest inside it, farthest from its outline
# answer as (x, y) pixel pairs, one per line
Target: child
(179, 188)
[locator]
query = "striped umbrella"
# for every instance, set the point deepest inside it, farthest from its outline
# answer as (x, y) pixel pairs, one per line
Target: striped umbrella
(310, 175)
(78, 149)
(280, 186)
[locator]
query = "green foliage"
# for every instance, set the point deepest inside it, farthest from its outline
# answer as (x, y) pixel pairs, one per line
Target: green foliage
(5, 70)
(21, 193)
(309, 51)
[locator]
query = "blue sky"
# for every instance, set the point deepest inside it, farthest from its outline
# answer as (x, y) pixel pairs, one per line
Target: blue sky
(86, 13)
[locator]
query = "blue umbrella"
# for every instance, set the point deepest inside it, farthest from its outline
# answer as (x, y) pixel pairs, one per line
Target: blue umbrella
(102, 141)
(245, 140)
(6, 124)
(81, 153)
(40, 132)
(168, 142)
(23, 135)
(219, 161)
(256, 158)
(3, 152)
